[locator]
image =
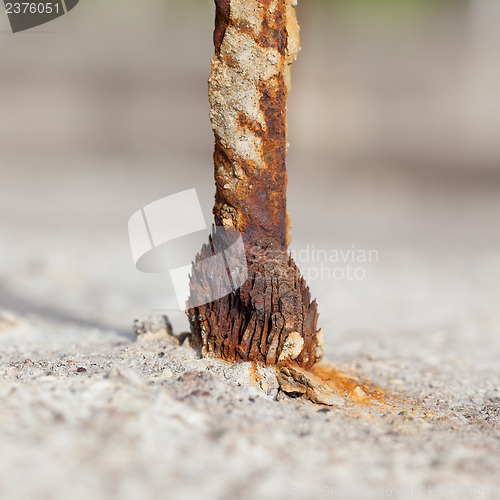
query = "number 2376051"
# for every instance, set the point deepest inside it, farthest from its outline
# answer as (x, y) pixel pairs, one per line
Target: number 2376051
(32, 8)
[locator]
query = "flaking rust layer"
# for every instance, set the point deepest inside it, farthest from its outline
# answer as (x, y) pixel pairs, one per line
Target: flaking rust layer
(271, 318)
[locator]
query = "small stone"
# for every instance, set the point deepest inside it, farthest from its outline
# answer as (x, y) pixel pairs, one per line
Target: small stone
(358, 393)
(292, 346)
(152, 323)
(267, 381)
(297, 381)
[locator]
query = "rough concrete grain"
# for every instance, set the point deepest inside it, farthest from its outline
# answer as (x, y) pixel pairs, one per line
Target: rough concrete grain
(105, 417)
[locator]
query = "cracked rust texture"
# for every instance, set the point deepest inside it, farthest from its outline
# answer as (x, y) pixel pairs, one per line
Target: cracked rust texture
(271, 318)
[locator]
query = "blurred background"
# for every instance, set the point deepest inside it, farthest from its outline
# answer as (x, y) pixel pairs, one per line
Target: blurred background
(394, 125)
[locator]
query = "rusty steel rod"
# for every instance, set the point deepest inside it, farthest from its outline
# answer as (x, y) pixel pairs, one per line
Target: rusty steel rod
(271, 318)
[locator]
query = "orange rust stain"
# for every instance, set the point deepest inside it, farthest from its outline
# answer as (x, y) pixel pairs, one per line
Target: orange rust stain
(346, 385)
(254, 376)
(351, 387)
